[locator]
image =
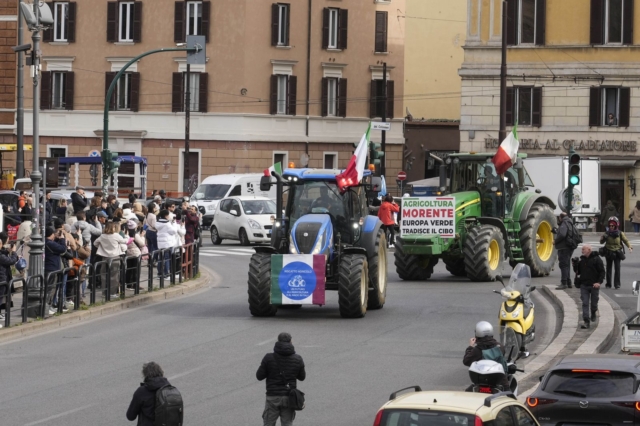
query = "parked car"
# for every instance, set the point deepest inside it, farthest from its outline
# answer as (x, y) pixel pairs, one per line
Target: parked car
(244, 218)
(446, 408)
(589, 390)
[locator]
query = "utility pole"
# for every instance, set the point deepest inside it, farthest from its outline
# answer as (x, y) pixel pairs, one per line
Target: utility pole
(383, 141)
(187, 122)
(502, 134)
(20, 106)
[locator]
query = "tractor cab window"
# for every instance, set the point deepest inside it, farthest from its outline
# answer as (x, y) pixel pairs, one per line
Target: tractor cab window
(491, 195)
(315, 197)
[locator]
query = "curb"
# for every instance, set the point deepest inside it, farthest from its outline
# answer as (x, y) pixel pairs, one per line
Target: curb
(58, 321)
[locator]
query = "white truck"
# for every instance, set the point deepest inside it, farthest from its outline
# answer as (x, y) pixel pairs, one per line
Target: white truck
(550, 175)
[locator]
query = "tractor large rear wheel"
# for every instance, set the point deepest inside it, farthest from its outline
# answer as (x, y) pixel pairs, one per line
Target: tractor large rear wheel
(411, 267)
(483, 253)
(260, 286)
(353, 286)
(456, 267)
(537, 240)
(378, 273)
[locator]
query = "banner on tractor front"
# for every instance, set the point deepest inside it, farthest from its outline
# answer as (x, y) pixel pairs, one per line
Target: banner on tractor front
(428, 216)
(297, 279)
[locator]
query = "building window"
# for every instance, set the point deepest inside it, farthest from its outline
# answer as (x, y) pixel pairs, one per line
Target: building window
(524, 106)
(281, 157)
(57, 90)
(334, 28)
(198, 86)
(609, 106)
(280, 24)
(613, 21)
(381, 32)
(331, 160)
(64, 23)
(526, 22)
(125, 32)
(127, 91)
(377, 103)
(191, 18)
(123, 91)
(283, 94)
(194, 88)
(194, 18)
(334, 97)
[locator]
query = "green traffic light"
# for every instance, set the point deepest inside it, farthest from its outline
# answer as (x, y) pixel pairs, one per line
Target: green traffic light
(574, 180)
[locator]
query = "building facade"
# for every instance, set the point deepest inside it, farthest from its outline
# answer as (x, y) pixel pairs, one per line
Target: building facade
(571, 82)
(291, 82)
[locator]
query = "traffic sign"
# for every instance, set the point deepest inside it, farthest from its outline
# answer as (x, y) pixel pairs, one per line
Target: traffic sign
(199, 56)
(381, 126)
(94, 153)
(402, 176)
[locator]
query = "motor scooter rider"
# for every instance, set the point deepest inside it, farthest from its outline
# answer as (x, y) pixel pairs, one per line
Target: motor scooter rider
(484, 346)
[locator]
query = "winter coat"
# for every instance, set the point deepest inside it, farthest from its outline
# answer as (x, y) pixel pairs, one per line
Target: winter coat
(7, 259)
(79, 202)
(88, 230)
(635, 215)
(52, 251)
(386, 208)
(191, 223)
(151, 222)
(614, 242)
(24, 230)
(608, 211)
(110, 245)
(291, 363)
(166, 234)
(564, 233)
(180, 233)
(474, 353)
(144, 401)
(589, 270)
(134, 245)
(48, 210)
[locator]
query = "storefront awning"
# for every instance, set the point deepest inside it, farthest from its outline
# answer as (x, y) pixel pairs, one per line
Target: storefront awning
(14, 147)
(625, 164)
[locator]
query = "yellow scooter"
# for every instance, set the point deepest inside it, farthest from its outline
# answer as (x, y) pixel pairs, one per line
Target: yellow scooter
(517, 308)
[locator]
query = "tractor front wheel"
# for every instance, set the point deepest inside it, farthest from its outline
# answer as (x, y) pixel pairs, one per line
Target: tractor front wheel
(537, 240)
(411, 267)
(353, 286)
(378, 273)
(483, 253)
(260, 286)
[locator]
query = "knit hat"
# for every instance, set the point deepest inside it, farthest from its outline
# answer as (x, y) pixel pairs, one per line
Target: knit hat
(128, 214)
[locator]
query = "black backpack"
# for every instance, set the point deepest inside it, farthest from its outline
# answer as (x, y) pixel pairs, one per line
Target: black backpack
(169, 407)
(573, 237)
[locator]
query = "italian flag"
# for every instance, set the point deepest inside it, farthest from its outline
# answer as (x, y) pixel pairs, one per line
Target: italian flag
(352, 175)
(506, 155)
(275, 168)
(297, 279)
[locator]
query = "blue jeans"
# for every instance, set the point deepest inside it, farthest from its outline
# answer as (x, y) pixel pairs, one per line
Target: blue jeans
(152, 240)
(636, 227)
(164, 266)
(61, 287)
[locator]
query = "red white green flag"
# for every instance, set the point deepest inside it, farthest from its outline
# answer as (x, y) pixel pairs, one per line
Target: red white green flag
(507, 152)
(297, 279)
(352, 175)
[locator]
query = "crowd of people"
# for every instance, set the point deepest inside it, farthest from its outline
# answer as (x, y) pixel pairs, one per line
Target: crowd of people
(99, 229)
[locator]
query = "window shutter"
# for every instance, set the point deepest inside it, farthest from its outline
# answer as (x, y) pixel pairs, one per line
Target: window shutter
(203, 100)
(179, 30)
(510, 106)
(206, 19)
(71, 22)
(373, 100)
(137, 22)
(343, 24)
(595, 106)
(288, 26)
(135, 91)
(68, 90)
(512, 22)
(381, 32)
(342, 97)
(45, 90)
(112, 21)
(627, 24)
(273, 95)
(390, 98)
(47, 35)
(597, 22)
(176, 92)
(293, 94)
(541, 21)
(625, 107)
(108, 79)
(324, 109)
(325, 28)
(274, 24)
(536, 108)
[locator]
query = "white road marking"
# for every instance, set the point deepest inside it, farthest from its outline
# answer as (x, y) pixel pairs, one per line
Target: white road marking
(210, 254)
(265, 342)
(187, 372)
(228, 252)
(252, 251)
(624, 295)
(66, 413)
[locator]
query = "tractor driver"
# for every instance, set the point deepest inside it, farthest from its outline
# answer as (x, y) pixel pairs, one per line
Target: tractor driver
(491, 199)
(323, 201)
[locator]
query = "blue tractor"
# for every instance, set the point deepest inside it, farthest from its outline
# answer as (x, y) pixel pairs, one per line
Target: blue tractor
(315, 218)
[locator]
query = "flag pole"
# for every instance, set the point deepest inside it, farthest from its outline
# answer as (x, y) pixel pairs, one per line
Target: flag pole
(502, 134)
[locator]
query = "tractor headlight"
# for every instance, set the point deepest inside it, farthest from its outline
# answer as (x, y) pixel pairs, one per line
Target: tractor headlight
(292, 246)
(318, 247)
(254, 224)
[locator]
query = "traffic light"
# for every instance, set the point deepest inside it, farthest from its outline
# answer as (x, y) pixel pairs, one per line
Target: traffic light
(377, 156)
(110, 161)
(574, 168)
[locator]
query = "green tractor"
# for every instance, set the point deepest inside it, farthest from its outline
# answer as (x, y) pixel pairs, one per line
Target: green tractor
(496, 218)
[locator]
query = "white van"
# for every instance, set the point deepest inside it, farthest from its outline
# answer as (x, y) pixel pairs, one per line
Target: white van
(215, 188)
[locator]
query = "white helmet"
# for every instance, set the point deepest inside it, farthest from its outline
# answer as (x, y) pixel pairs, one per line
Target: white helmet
(484, 329)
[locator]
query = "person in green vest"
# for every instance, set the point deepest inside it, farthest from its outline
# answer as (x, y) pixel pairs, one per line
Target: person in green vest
(613, 241)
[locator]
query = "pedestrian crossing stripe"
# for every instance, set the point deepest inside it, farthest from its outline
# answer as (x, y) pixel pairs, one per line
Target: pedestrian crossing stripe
(236, 252)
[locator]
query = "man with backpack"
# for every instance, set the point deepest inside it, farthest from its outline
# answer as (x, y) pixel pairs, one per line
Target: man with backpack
(484, 346)
(156, 402)
(282, 369)
(566, 241)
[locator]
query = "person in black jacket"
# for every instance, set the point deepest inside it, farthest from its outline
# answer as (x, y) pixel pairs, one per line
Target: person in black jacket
(483, 341)
(79, 200)
(589, 276)
(283, 360)
(8, 258)
(565, 250)
(143, 403)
